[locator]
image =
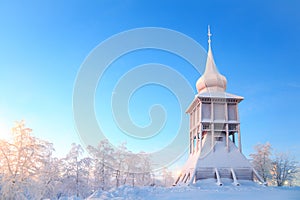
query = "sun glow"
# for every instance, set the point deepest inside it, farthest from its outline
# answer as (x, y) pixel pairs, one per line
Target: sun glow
(5, 131)
(177, 173)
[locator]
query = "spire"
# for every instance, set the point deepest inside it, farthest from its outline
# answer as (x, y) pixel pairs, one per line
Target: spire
(209, 40)
(211, 80)
(210, 63)
(209, 52)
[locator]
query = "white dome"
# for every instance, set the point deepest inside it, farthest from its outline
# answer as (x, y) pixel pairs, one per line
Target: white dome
(211, 80)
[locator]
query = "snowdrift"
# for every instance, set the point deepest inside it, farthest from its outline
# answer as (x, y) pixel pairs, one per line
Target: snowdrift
(207, 190)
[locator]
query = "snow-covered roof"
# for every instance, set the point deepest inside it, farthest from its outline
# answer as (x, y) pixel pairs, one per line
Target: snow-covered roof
(213, 94)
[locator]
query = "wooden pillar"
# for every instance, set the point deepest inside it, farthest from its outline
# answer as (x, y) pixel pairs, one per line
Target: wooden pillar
(226, 112)
(191, 121)
(191, 146)
(233, 138)
(213, 136)
(194, 117)
(226, 126)
(195, 141)
(239, 138)
(200, 126)
(227, 138)
(237, 112)
(212, 127)
(200, 137)
(238, 129)
(200, 112)
(197, 125)
(197, 114)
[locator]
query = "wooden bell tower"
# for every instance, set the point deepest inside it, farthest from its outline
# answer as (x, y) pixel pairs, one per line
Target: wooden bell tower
(215, 137)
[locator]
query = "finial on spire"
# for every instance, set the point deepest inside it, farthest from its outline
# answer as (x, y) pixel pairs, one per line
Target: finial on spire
(209, 35)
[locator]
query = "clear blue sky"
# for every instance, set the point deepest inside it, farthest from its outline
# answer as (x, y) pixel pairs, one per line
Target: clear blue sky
(256, 46)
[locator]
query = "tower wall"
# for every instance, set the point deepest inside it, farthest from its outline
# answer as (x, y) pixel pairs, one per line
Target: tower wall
(215, 116)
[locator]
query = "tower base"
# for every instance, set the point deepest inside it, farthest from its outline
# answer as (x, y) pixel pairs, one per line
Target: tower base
(216, 162)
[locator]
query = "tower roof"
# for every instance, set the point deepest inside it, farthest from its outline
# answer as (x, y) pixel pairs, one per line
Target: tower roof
(211, 80)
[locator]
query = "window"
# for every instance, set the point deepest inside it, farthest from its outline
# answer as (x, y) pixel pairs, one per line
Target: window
(232, 127)
(206, 111)
(206, 126)
(192, 119)
(232, 114)
(219, 111)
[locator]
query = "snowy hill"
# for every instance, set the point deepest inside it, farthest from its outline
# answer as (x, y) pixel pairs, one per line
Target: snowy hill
(204, 190)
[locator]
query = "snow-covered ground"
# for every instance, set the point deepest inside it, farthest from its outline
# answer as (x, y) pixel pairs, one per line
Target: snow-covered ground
(203, 190)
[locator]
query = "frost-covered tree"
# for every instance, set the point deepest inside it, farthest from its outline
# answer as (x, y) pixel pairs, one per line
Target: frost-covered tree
(120, 157)
(118, 166)
(75, 173)
(132, 169)
(49, 181)
(143, 169)
(284, 169)
(167, 178)
(103, 156)
(22, 159)
(261, 160)
(296, 181)
(137, 169)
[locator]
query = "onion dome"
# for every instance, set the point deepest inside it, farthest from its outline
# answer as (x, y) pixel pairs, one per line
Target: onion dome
(211, 80)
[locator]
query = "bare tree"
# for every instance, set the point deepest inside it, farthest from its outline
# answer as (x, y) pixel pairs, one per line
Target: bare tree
(284, 169)
(262, 161)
